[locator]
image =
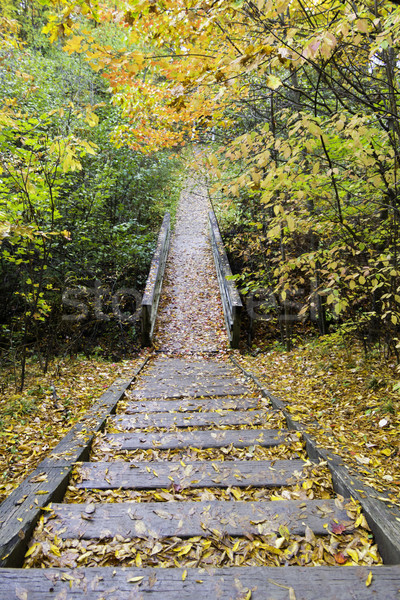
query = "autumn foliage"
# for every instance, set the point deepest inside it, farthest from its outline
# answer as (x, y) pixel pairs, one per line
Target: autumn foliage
(300, 104)
(77, 213)
(297, 104)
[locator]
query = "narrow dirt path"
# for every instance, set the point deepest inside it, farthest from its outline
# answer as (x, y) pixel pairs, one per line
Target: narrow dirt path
(190, 318)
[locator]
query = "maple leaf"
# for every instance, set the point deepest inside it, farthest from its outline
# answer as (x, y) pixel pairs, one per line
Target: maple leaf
(340, 558)
(337, 528)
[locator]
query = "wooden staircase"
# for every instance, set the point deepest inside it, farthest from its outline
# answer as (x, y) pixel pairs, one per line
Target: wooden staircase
(197, 490)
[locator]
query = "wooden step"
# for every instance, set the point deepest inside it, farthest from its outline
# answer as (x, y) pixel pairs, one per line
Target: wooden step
(219, 438)
(183, 387)
(163, 377)
(181, 367)
(197, 474)
(191, 405)
(199, 419)
(235, 583)
(188, 519)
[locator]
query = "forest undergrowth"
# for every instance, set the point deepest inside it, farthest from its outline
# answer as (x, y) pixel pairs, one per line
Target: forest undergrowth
(348, 400)
(32, 422)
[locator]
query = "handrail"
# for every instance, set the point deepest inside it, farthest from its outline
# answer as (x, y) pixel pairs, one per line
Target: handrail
(231, 302)
(152, 291)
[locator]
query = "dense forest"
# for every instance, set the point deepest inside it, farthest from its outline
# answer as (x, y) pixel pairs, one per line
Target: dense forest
(79, 212)
(296, 106)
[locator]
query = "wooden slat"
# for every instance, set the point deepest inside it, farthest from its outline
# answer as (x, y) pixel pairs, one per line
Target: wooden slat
(241, 438)
(187, 519)
(179, 366)
(192, 388)
(264, 583)
(191, 405)
(200, 419)
(109, 475)
(165, 377)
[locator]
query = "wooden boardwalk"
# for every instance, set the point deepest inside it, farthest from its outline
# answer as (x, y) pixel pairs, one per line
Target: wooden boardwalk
(185, 483)
(117, 507)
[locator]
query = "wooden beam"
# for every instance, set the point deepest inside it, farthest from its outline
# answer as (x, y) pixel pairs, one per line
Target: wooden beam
(188, 519)
(195, 419)
(191, 405)
(197, 474)
(219, 438)
(236, 583)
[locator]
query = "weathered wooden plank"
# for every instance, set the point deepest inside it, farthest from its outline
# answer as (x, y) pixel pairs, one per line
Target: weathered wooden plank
(187, 519)
(165, 371)
(264, 583)
(21, 510)
(179, 366)
(198, 474)
(192, 405)
(195, 419)
(165, 378)
(240, 438)
(191, 389)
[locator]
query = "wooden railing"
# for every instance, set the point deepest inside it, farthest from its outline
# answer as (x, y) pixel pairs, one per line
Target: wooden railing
(231, 302)
(152, 291)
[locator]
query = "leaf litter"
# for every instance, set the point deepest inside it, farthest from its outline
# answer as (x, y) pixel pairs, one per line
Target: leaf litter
(34, 421)
(348, 402)
(216, 549)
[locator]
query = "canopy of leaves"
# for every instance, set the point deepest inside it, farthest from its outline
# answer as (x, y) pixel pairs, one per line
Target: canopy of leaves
(76, 212)
(301, 102)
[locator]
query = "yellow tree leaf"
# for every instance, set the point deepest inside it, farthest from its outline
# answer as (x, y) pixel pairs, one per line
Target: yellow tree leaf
(273, 82)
